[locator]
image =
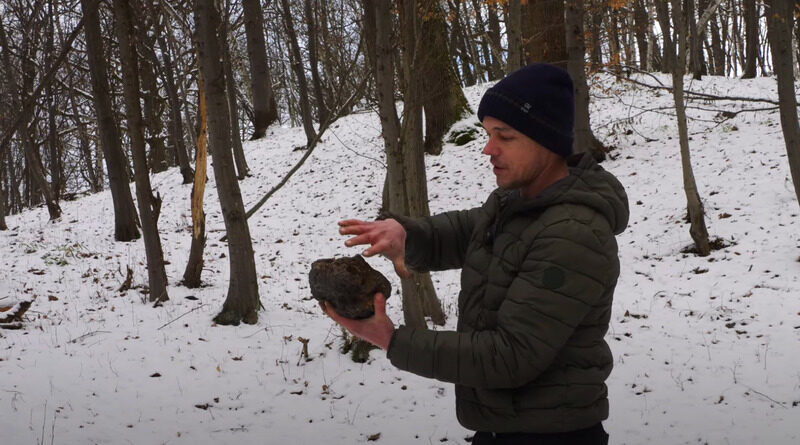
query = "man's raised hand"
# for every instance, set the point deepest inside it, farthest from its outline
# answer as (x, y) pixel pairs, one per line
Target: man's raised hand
(386, 237)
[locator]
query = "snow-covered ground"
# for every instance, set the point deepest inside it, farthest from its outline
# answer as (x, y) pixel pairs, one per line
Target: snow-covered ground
(706, 349)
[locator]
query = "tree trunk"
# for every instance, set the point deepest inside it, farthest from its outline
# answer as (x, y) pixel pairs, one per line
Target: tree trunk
(406, 182)
(3, 225)
(585, 140)
(299, 72)
(242, 302)
(662, 11)
(544, 32)
(126, 220)
(515, 58)
(596, 23)
(441, 95)
(239, 158)
(779, 34)
(717, 51)
(151, 97)
(494, 42)
(176, 121)
(313, 50)
(694, 205)
(480, 28)
(640, 29)
(194, 267)
(750, 16)
(458, 46)
(149, 205)
(265, 111)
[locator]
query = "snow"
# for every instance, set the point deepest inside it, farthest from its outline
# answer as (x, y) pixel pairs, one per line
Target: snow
(706, 349)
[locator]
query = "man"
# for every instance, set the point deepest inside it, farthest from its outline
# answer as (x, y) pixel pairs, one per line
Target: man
(539, 266)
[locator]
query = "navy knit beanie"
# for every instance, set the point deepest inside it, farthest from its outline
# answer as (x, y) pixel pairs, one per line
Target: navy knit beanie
(538, 101)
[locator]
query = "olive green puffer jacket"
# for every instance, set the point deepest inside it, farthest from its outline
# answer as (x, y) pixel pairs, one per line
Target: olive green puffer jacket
(537, 282)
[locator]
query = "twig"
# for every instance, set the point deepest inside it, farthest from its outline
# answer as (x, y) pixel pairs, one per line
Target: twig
(87, 335)
(312, 144)
(181, 316)
(781, 404)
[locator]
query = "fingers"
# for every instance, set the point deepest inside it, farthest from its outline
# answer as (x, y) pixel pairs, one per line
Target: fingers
(400, 268)
(364, 238)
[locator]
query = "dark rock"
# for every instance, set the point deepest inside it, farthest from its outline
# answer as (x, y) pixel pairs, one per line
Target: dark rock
(349, 285)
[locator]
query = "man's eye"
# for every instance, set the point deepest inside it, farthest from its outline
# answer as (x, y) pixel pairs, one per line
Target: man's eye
(505, 138)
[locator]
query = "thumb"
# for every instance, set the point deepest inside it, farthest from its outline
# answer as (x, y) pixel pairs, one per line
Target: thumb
(380, 304)
(400, 268)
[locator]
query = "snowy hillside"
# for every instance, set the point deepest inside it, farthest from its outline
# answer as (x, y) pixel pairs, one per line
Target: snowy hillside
(706, 349)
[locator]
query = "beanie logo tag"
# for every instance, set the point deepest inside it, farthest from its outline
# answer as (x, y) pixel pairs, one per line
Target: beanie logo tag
(526, 108)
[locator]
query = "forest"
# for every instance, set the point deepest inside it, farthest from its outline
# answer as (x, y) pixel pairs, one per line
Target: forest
(172, 168)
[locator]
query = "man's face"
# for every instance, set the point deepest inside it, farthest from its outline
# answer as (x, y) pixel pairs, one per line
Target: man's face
(518, 160)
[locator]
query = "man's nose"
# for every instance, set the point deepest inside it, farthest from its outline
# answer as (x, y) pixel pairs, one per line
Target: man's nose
(490, 149)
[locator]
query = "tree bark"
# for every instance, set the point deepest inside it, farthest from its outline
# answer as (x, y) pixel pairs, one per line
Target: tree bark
(176, 120)
(126, 220)
(585, 140)
(662, 11)
(750, 16)
(239, 158)
(494, 42)
(299, 72)
(515, 58)
(265, 110)
(313, 61)
(242, 301)
(779, 34)
(441, 95)
(406, 181)
(694, 205)
(151, 98)
(640, 30)
(544, 32)
(194, 267)
(149, 205)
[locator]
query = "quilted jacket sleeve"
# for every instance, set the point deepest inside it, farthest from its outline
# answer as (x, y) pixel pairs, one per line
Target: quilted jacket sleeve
(438, 242)
(564, 274)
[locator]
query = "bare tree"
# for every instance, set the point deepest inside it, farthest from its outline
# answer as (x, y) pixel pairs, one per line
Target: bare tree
(242, 301)
(751, 32)
(516, 57)
(297, 67)
(779, 32)
(694, 205)
(265, 110)
(149, 205)
(126, 220)
(194, 267)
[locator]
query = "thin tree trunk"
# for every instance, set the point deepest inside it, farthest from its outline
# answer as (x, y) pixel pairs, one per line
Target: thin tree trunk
(239, 158)
(494, 42)
(596, 23)
(480, 27)
(3, 225)
(194, 267)
(265, 111)
(662, 11)
(151, 97)
(779, 34)
(717, 51)
(176, 121)
(126, 220)
(515, 58)
(640, 29)
(694, 205)
(585, 140)
(313, 50)
(299, 72)
(750, 18)
(149, 205)
(242, 302)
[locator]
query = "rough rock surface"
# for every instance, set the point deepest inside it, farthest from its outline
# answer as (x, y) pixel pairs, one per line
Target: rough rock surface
(348, 284)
